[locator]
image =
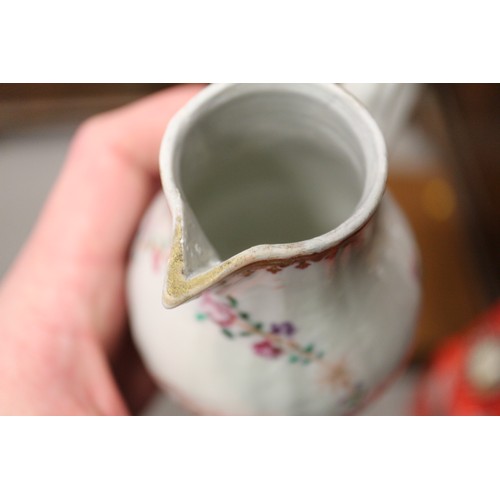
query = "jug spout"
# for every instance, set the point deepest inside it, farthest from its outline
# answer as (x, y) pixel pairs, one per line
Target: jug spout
(193, 266)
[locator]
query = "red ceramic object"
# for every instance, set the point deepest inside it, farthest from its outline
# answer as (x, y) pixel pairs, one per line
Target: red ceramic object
(464, 376)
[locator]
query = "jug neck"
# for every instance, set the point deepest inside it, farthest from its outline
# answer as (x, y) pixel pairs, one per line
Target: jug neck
(255, 135)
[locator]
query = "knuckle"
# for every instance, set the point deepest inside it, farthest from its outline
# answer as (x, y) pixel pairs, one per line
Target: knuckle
(90, 132)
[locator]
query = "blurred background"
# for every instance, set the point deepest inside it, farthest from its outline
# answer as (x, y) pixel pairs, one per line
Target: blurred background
(444, 145)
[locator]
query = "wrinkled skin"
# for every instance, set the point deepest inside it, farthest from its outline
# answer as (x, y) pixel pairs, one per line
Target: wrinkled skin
(64, 347)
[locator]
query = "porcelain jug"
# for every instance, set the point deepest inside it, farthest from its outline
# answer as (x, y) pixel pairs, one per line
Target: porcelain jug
(273, 276)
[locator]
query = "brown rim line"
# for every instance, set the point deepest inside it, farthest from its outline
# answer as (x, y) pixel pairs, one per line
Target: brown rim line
(179, 289)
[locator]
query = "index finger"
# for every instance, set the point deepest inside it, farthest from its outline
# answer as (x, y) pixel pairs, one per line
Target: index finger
(109, 177)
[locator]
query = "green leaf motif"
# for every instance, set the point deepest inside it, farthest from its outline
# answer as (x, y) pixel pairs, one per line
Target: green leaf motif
(297, 354)
(228, 333)
(308, 349)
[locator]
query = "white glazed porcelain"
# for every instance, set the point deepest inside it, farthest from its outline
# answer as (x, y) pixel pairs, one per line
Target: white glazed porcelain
(292, 284)
(390, 104)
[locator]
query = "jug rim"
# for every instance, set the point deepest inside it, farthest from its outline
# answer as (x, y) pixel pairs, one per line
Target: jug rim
(178, 287)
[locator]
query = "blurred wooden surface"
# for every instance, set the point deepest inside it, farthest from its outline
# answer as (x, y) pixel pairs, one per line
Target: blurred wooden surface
(54, 91)
(472, 116)
(452, 294)
(29, 105)
(454, 208)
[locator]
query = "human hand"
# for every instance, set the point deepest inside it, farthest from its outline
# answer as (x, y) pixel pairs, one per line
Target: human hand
(63, 343)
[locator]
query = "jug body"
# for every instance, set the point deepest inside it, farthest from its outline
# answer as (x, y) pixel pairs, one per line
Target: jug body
(300, 284)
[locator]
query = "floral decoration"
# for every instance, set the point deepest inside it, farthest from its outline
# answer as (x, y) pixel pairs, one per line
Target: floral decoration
(272, 341)
(277, 340)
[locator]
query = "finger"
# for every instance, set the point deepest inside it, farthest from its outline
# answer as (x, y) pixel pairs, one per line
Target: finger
(71, 269)
(109, 177)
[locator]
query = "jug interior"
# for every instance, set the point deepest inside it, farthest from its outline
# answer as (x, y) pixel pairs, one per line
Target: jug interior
(270, 166)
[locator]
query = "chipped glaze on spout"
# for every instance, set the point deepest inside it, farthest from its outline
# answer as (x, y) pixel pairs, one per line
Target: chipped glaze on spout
(180, 288)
